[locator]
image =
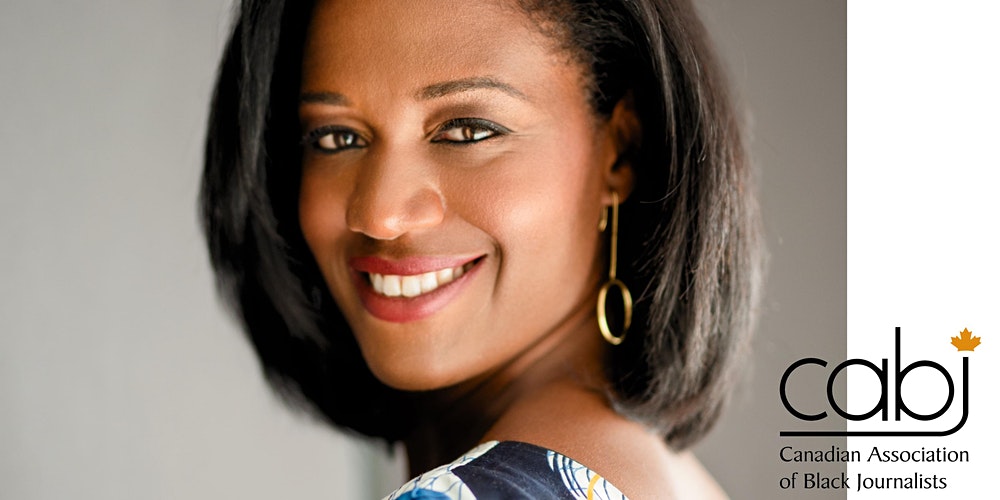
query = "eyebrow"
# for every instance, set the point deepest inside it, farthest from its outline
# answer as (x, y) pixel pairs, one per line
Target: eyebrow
(331, 98)
(466, 84)
(433, 91)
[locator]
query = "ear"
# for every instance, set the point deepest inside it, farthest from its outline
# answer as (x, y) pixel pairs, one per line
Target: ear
(624, 135)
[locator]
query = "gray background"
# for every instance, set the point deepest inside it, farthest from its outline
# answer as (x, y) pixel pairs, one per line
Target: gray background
(787, 61)
(120, 375)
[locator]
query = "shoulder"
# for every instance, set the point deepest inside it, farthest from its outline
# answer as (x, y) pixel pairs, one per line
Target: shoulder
(509, 469)
(624, 452)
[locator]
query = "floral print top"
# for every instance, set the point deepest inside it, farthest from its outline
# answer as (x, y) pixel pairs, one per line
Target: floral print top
(509, 470)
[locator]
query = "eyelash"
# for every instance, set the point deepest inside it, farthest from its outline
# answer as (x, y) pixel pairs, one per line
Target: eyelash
(345, 138)
(338, 135)
(467, 125)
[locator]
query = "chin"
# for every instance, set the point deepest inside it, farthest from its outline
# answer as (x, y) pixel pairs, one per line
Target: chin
(415, 375)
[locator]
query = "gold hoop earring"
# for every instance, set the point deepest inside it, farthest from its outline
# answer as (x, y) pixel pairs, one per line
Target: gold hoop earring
(613, 281)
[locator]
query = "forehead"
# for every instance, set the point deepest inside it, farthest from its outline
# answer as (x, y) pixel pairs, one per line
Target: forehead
(400, 45)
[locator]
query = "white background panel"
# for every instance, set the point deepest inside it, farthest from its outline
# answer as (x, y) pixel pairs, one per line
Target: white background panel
(922, 228)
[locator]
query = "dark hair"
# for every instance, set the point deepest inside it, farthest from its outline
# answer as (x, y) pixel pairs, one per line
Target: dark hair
(689, 233)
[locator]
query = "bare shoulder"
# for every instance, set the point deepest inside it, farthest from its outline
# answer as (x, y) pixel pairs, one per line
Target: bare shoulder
(581, 426)
(691, 480)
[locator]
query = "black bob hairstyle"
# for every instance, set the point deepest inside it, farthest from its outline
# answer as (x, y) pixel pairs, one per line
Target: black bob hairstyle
(688, 249)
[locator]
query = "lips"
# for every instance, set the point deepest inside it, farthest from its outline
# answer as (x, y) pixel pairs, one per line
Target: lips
(412, 288)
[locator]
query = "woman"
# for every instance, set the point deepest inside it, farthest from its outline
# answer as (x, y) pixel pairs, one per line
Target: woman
(433, 218)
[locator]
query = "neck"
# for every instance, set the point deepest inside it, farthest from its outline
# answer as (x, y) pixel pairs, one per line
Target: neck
(453, 420)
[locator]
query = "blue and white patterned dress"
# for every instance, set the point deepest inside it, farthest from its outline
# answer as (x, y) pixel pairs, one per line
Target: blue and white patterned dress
(509, 470)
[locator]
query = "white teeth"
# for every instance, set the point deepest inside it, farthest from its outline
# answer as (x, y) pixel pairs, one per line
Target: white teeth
(428, 282)
(411, 286)
(445, 276)
(391, 286)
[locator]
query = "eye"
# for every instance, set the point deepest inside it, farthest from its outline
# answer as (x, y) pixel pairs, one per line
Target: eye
(468, 130)
(333, 139)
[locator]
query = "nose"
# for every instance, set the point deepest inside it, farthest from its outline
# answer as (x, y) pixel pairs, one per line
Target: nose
(394, 194)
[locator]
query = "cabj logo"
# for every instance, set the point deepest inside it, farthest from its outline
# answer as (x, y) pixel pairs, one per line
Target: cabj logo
(964, 342)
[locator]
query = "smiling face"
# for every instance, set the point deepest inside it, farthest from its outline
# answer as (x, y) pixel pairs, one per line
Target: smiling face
(453, 179)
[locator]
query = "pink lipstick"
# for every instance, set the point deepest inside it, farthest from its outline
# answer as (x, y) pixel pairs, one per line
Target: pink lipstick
(413, 288)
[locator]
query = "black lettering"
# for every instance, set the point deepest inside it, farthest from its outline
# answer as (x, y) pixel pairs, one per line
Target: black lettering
(883, 377)
(784, 381)
(900, 405)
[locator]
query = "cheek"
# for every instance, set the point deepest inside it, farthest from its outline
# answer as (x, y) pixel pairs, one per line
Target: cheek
(321, 214)
(552, 200)
(542, 207)
(547, 213)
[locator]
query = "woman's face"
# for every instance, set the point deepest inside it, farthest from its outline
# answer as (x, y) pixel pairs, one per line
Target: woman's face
(453, 180)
